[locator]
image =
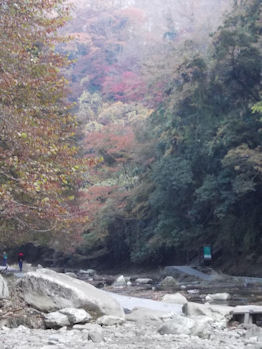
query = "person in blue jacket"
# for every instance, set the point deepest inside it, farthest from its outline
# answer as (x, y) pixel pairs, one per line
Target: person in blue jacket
(20, 260)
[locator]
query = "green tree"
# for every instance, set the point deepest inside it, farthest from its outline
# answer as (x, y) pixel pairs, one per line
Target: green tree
(206, 178)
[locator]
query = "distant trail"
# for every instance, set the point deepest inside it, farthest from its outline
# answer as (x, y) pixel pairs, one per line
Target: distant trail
(191, 271)
(249, 279)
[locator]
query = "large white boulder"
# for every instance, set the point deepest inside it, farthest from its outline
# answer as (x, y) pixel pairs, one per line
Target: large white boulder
(176, 298)
(48, 291)
(4, 292)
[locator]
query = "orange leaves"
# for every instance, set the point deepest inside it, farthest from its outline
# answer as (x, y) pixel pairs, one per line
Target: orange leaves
(115, 140)
(109, 132)
(39, 164)
(95, 198)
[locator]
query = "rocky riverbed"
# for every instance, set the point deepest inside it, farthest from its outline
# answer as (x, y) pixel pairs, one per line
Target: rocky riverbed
(44, 309)
(128, 336)
(242, 290)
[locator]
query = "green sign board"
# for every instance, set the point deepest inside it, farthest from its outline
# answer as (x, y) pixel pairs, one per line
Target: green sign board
(207, 252)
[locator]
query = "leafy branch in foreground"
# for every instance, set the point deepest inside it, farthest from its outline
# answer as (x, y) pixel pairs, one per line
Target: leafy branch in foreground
(40, 169)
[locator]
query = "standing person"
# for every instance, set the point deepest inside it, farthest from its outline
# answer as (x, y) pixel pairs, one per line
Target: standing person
(4, 259)
(20, 260)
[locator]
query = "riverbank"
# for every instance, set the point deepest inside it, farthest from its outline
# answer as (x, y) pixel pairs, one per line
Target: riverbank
(128, 336)
(144, 326)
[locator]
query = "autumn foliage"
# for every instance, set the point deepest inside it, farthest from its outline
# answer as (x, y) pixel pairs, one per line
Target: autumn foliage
(102, 64)
(39, 166)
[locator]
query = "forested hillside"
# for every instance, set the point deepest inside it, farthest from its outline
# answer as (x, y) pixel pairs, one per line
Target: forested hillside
(204, 183)
(196, 159)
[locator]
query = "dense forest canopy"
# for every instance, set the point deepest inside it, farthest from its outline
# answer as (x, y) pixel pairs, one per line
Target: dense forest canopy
(165, 148)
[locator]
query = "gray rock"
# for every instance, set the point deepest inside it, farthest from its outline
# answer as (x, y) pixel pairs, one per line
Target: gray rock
(23, 329)
(130, 336)
(180, 325)
(176, 298)
(169, 283)
(196, 309)
(254, 331)
(76, 316)
(145, 315)
(253, 346)
(89, 272)
(80, 327)
(5, 328)
(194, 291)
(143, 281)
(120, 281)
(47, 290)
(32, 319)
(217, 297)
(4, 292)
(28, 267)
(95, 333)
(56, 320)
(202, 327)
(108, 320)
(215, 312)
